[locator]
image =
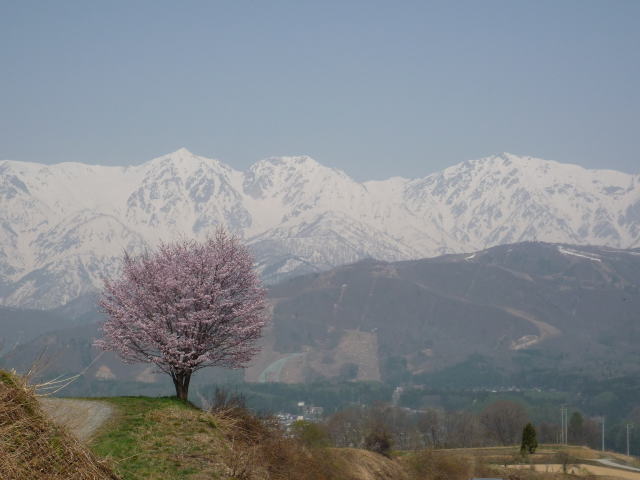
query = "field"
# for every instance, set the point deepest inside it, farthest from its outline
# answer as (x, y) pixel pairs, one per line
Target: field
(551, 460)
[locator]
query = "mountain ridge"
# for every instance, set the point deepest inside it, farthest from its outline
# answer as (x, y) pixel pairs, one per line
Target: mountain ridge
(63, 227)
(520, 312)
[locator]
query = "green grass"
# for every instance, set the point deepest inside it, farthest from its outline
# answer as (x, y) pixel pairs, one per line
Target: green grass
(166, 439)
(156, 438)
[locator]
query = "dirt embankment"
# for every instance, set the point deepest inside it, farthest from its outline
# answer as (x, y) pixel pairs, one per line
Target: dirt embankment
(364, 465)
(34, 447)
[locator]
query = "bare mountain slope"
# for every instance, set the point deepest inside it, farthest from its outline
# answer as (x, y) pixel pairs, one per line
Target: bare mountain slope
(574, 308)
(537, 305)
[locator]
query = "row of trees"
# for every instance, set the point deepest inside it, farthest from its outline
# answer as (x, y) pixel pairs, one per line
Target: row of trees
(500, 423)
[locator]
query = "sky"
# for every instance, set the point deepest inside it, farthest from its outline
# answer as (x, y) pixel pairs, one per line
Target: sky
(374, 88)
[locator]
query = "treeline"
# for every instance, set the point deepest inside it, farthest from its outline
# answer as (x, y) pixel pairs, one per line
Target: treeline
(500, 423)
(456, 420)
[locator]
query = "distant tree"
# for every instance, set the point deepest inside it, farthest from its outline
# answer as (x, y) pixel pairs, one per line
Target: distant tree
(185, 306)
(548, 432)
(576, 429)
(430, 424)
(529, 440)
(311, 434)
(463, 430)
(504, 420)
(346, 428)
(591, 432)
(225, 401)
(378, 440)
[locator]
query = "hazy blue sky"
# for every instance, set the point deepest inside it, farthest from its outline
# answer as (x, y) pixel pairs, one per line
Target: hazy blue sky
(374, 88)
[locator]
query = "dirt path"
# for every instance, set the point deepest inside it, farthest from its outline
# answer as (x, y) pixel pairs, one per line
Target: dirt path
(612, 463)
(81, 417)
(545, 330)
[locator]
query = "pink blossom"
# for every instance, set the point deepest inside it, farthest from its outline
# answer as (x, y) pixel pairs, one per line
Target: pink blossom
(186, 306)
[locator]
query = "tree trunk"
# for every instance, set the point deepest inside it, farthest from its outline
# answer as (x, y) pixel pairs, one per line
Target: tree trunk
(181, 382)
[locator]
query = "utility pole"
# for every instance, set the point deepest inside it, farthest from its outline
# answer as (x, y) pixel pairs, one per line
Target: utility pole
(628, 427)
(564, 429)
(603, 433)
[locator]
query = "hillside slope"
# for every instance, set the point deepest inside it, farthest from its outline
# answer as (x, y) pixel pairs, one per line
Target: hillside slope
(548, 306)
(162, 438)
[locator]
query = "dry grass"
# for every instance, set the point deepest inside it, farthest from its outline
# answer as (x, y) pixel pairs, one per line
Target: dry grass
(259, 449)
(163, 438)
(358, 464)
(438, 465)
(548, 463)
(34, 448)
(511, 455)
(580, 470)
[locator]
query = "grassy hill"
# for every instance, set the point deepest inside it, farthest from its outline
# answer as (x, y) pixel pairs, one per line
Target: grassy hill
(154, 438)
(162, 438)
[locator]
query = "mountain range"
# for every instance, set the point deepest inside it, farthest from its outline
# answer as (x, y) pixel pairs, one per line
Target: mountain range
(63, 227)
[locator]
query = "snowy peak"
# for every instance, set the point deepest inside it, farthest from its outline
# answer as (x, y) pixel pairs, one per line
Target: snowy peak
(183, 162)
(271, 176)
(63, 226)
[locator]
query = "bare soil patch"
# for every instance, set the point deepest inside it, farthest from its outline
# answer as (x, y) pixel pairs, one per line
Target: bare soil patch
(81, 417)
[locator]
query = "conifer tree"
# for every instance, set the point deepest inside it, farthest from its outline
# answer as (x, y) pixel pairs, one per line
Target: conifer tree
(529, 440)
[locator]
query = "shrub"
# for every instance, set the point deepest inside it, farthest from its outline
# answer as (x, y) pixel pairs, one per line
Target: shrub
(427, 465)
(378, 440)
(311, 435)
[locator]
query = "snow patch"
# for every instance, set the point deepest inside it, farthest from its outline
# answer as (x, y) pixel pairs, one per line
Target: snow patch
(567, 251)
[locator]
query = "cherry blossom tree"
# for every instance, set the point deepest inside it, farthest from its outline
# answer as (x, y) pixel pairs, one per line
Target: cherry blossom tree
(185, 306)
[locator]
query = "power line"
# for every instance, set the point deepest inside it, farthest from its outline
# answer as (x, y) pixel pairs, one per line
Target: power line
(564, 425)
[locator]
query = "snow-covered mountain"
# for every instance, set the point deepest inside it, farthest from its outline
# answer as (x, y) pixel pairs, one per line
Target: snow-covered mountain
(64, 227)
